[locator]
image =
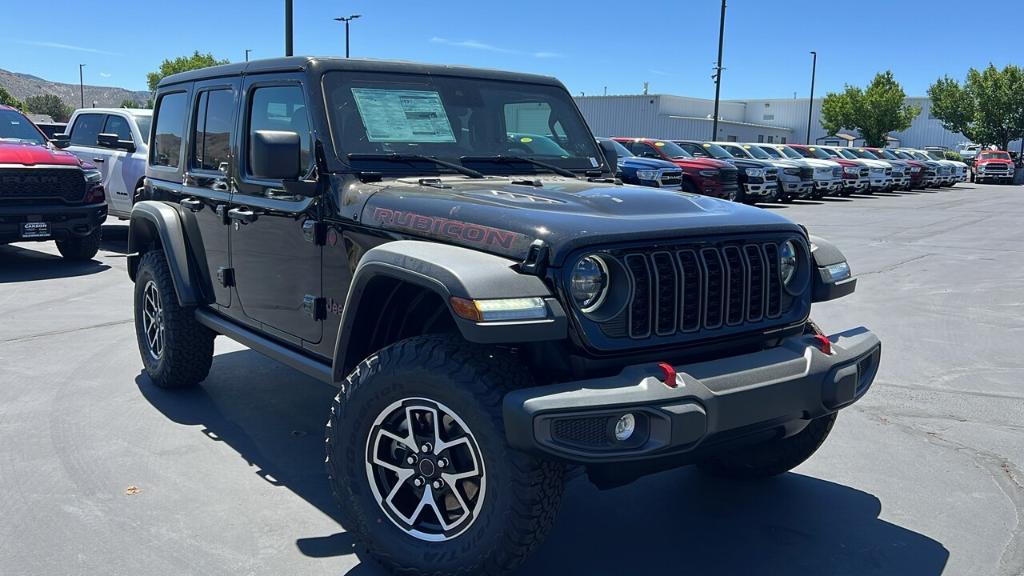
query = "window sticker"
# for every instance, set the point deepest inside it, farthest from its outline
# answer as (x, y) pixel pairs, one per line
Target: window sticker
(526, 139)
(403, 115)
(659, 144)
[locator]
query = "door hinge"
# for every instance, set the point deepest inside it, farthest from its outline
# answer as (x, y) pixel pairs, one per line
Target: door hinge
(314, 232)
(226, 276)
(315, 308)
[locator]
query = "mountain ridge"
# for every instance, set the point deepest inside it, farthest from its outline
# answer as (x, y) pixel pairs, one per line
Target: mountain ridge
(21, 86)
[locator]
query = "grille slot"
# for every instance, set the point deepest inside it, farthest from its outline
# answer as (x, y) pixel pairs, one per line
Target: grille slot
(693, 290)
(714, 305)
(736, 290)
(666, 290)
(640, 307)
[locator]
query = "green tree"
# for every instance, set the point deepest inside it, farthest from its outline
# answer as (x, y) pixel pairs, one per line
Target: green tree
(181, 64)
(129, 103)
(873, 112)
(988, 107)
(7, 100)
(49, 104)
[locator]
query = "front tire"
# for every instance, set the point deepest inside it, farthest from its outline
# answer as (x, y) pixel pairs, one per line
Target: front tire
(176, 350)
(418, 461)
(81, 248)
(773, 457)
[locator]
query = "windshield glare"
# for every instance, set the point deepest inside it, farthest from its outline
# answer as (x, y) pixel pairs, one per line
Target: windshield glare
(14, 126)
(450, 118)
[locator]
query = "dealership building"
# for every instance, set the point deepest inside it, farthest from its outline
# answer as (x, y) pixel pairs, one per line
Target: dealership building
(775, 121)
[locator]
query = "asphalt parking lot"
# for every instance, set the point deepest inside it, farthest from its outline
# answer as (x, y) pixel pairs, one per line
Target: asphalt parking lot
(101, 473)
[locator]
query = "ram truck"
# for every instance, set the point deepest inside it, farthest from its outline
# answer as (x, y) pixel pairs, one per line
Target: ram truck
(633, 169)
(993, 166)
(794, 180)
(47, 194)
(705, 176)
(491, 316)
(855, 174)
(759, 179)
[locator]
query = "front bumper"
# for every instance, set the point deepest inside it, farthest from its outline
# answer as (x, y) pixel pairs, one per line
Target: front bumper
(715, 402)
(65, 221)
(828, 185)
(858, 185)
(765, 189)
(882, 182)
(800, 189)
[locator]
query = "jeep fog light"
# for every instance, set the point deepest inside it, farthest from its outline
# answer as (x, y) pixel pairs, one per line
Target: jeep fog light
(500, 309)
(625, 427)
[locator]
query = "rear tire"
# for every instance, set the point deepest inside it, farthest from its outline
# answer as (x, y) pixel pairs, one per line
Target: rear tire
(176, 350)
(773, 457)
(83, 248)
(379, 423)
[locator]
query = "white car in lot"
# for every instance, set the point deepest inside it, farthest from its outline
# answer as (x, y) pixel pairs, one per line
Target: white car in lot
(882, 178)
(828, 175)
(115, 140)
(959, 171)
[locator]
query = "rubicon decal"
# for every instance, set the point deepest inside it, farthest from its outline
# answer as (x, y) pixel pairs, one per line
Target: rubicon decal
(446, 228)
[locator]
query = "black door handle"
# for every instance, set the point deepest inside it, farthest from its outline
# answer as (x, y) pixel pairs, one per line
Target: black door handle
(242, 215)
(192, 204)
(100, 160)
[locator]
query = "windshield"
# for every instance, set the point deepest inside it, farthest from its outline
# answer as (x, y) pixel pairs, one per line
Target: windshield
(994, 156)
(14, 126)
(449, 118)
(935, 155)
(819, 153)
(671, 149)
(751, 151)
(902, 155)
(790, 153)
(716, 151)
(144, 122)
(847, 154)
(887, 155)
(620, 150)
(770, 151)
(862, 153)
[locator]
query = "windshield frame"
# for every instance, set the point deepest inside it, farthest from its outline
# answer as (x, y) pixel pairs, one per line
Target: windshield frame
(585, 156)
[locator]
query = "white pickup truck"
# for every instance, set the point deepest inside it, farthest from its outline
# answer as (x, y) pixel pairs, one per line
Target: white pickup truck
(116, 141)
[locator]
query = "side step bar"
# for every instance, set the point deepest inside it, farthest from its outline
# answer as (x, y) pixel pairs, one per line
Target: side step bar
(283, 354)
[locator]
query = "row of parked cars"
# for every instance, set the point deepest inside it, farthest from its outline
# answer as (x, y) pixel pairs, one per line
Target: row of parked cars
(759, 172)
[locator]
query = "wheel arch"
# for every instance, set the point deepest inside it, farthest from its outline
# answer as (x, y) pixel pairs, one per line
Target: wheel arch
(158, 226)
(404, 288)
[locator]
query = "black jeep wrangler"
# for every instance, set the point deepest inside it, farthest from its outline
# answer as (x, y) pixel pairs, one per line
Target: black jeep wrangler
(491, 314)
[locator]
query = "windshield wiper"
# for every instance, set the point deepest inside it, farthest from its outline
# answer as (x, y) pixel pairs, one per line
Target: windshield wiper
(418, 158)
(501, 159)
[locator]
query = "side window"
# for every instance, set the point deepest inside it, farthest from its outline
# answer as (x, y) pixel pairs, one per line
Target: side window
(170, 127)
(118, 125)
(211, 139)
(281, 108)
(86, 128)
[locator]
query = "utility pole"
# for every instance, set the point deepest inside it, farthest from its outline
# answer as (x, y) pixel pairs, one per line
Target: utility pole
(718, 72)
(287, 27)
(346, 20)
(247, 50)
(81, 85)
(810, 103)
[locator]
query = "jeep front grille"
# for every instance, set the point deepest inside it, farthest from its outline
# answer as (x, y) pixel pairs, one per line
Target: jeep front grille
(702, 289)
(52, 183)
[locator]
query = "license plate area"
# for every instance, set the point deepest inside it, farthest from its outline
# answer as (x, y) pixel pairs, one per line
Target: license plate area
(35, 230)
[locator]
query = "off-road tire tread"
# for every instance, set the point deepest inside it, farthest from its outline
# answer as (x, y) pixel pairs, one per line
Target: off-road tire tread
(188, 349)
(489, 374)
(79, 249)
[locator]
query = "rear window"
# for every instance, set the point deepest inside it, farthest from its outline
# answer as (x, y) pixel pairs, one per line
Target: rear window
(170, 126)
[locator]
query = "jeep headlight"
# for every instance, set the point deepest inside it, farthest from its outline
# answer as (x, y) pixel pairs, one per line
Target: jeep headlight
(647, 174)
(787, 262)
(588, 284)
(755, 172)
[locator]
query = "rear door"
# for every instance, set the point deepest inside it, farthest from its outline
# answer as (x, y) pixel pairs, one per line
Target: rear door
(275, 252)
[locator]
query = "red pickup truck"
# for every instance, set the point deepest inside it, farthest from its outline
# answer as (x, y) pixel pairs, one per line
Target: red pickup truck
(45, 193)
(993, 165)
(705, 176)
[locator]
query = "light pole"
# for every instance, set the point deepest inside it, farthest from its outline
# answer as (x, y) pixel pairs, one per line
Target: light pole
(81, 84)
(718, 72)
(287, 27)
(810, 104)
(247, 50)
(346, 20)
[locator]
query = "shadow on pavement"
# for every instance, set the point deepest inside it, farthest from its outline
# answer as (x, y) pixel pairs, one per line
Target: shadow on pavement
(671, 523)
(115, 238)
(771, 206)
(18, 264)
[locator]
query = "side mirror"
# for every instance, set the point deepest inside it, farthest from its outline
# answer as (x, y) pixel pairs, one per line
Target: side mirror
(610, 155)
(111, 141)
(61, 141)
(275, 155)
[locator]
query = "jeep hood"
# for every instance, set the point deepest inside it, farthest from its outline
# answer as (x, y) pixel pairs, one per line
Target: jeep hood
(28, 154)
(505, 218)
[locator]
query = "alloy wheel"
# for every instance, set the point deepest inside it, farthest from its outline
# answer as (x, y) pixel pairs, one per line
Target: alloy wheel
(153, 320)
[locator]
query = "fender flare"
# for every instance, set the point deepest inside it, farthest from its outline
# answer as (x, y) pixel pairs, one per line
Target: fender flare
(823, 255)
(156, 222)
(449, 271)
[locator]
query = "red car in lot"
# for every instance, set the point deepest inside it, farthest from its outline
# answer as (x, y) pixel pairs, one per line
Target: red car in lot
(705, 176)
(993, 165)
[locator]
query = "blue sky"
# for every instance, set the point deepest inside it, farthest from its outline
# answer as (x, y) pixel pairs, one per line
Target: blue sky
(588, 45)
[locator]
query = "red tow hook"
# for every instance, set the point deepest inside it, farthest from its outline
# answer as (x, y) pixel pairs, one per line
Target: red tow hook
(824, 343)
(670, 374)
